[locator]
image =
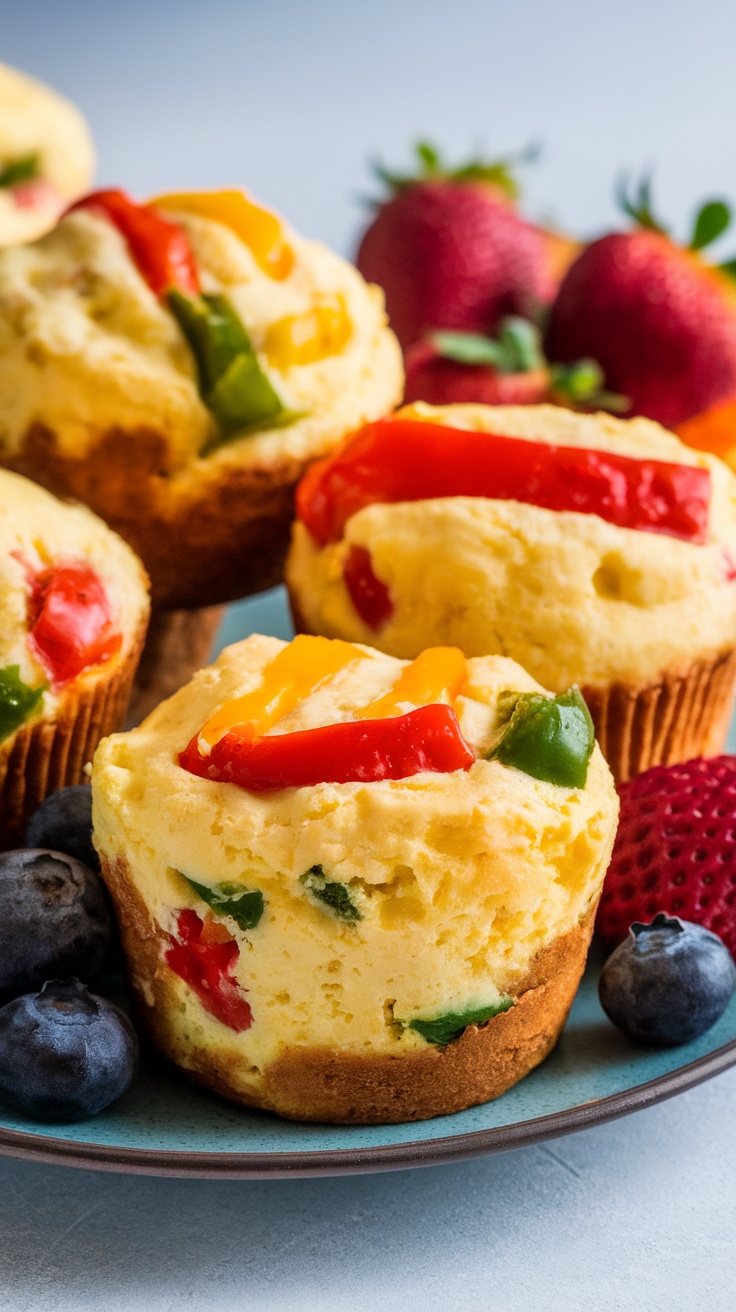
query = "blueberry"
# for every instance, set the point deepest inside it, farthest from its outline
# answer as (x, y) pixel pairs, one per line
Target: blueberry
(64, 823)
(668, 982)
(54, 920)
(64, 1053)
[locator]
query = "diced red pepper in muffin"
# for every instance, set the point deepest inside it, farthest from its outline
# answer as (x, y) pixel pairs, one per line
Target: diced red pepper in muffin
(203, 954)
(71, 621)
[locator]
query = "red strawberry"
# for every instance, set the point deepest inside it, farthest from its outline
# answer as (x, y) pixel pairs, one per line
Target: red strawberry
(450, 250)
(658, 319)
(675, 850)
(451, 367)
(432, 377)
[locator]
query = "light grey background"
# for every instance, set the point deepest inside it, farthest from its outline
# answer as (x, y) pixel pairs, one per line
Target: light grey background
(291, 99)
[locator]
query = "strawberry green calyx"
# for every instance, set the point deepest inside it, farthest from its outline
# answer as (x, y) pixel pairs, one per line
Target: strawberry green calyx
(638, 205)
(432, 168)
(582, 383)
(517, 349)
(711, 220)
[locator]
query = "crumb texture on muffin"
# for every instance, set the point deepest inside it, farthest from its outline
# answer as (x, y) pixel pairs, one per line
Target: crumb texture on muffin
(100, 398)
(460, 882)
(568, 595)
(91, 350)
(38, 532)
(39, 125)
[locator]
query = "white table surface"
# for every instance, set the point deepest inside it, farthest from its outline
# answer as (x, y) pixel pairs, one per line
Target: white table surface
(290, 98)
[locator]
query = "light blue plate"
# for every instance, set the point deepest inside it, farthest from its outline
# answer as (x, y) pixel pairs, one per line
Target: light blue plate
(165, 1127)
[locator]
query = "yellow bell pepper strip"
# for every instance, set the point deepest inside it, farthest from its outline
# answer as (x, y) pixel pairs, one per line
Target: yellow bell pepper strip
(292, 675)
(259, 229)
(436, 675)
(353, 751)
(18, 701)
(301, 339)
(232, 384)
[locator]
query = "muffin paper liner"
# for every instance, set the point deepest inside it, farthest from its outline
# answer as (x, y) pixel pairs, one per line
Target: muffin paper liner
(49, 754)
(179, 642)
(677, 719)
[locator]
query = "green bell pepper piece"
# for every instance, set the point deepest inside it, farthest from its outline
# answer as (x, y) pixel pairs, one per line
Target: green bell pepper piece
(333, 896)
(549, 738)
(233, 386)
(245, 906)
(17, 700)
(444, 1029)
(22, 169)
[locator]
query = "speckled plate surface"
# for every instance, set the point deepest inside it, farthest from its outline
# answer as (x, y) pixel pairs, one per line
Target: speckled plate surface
(163, 1126)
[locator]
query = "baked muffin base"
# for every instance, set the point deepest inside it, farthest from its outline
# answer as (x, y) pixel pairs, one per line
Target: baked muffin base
(46, 755)
(342, 1087)
(178, 643)
(209, 540)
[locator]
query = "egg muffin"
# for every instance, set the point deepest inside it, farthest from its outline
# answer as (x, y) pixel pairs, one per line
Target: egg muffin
(175, 365)
(46, 156)
(73, 613)
(354, 888)
(593, 550)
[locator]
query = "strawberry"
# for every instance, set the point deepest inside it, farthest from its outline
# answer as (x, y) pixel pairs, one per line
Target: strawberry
(675, 849)
(451, 251)
(451, 367)
(658, 319)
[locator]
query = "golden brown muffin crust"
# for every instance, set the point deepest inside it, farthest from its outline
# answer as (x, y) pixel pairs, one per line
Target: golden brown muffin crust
(221, 538)
(314, 1084)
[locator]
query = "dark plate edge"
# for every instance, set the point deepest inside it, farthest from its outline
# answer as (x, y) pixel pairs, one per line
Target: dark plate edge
(349, 1161)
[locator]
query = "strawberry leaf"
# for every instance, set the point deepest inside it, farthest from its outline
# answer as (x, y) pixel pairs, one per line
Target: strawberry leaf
(712, 219)
(516, 350)
(728, 267)
(639, 205)
(431, 166)
(581, 383)
(467, 348)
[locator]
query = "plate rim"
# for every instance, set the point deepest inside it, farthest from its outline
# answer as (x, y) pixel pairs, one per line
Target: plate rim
(53, 1151)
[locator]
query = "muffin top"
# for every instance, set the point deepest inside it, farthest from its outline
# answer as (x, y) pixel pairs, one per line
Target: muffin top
(584, 567)
(444, 876)
(46, 156)
(202, 320)
(73, 598)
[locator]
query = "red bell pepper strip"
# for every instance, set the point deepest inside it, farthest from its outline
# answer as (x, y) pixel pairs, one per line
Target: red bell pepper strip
(399, 459)
(356, 751)
(368, 594)
(203, 955)
(71, 624)
(159, 247)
